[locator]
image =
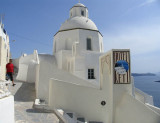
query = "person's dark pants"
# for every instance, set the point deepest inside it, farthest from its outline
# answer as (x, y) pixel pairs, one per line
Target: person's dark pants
(10, 75)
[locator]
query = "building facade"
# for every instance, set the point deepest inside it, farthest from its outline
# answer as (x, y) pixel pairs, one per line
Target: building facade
(4, 51)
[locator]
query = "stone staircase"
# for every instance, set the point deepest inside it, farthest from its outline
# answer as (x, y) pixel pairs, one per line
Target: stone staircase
(64, 116)
(71, 117)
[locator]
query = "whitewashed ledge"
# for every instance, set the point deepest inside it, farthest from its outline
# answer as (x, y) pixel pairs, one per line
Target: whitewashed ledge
(4, 89)
(6, 103)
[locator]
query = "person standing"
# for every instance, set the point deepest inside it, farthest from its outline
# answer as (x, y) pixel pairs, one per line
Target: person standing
(10, 70)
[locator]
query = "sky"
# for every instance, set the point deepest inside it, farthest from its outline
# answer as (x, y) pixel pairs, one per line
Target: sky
(129, 24)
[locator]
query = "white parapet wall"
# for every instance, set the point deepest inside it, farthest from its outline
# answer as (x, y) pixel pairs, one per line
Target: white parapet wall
(131, 110)
(85, 101)
(27, 68)
(156, 109)
(7, 109)
(143, 97)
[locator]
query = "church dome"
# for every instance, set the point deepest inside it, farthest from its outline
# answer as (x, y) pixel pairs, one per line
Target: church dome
(78, 22)
(79, 5)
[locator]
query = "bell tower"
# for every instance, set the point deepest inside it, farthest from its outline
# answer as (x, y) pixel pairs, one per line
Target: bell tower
(79, 10)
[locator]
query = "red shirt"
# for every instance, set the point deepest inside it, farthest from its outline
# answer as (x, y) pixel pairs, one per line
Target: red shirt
(10, 67)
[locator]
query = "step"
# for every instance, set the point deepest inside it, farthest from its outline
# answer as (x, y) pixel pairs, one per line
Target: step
(81, 119)
(94, 122)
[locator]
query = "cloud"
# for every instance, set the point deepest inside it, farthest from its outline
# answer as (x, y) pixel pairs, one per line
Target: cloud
(147, 2)
(145, 64)
(140, 40)
(143, 42)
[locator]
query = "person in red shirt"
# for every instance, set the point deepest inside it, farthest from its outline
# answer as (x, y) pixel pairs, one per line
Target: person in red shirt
(10, 70)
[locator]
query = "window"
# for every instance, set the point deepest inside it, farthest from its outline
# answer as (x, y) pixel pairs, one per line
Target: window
(55, 47)
(89, 44)
(82, 13)
(91, 74)
(71, 14)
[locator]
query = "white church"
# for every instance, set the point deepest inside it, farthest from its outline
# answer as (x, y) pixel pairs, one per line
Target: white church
(81, 82)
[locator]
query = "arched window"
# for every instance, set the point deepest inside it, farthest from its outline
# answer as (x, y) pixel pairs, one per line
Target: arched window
(82, 13)
(89, 44)
(55, 47)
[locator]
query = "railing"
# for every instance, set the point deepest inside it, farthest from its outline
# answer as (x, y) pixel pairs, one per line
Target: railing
(4, 89)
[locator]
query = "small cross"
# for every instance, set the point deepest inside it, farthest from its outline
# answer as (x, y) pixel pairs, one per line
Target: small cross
(2, 17)
(79, 1)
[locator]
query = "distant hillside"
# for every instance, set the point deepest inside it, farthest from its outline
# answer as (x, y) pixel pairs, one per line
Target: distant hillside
(157, 81)
(143, 74)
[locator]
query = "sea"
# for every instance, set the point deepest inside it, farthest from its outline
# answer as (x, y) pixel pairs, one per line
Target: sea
(148, 85)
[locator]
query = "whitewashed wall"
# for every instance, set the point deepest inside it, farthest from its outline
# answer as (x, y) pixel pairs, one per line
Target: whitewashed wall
(121, 105)
(95, 40)
(131, 110)
(143, 97)
(64, 40)
(4, 52)
(4, 58)
(84, 100)
(7, 110)
(47, 69)
(27, 68)
(92, 61)
(16, 62)
(82, 59)
(44, 71)
(76, 11)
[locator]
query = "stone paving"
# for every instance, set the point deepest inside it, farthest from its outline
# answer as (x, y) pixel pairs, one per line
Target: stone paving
(24, 96)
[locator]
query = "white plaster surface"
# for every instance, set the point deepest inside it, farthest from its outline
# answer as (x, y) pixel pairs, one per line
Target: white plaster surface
(4, 52)
(121, 106)
(22, 73)
(16, 62)
(78, 22)
(7, 109)
(27, 68)
(156, 109)
(143, 97)
(48, 69)
(133, 111)
(85, 101)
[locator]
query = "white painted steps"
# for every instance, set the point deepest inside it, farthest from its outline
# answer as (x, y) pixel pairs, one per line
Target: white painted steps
(71, 117)
(64, 116)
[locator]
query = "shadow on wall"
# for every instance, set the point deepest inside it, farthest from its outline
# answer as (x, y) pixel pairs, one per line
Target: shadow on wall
(26, 93)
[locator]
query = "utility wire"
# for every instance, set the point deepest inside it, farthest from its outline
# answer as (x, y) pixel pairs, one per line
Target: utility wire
(30, 40)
